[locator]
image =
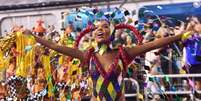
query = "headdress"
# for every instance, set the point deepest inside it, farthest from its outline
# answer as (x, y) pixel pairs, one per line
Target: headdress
(85, 17)
(149, 18)
(39, 27)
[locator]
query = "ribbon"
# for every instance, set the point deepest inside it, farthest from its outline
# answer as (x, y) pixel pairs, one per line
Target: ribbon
(178, 98)
(28, 48)
(102, 49)
(75, 62)
(191, 83)
(140, 96)
(3, 62)
(46, 64)
(70, 41)
(130, 20)
(151, 79)
(167, 79)
(181, 71)
(173, 88)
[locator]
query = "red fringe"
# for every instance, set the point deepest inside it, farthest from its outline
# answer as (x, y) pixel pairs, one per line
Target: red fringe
(136, 33)
(85, 62)
(82, 33)
(125, 57)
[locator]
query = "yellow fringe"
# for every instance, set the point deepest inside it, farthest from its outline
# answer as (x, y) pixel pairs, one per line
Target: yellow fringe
(25, 60)
(3, 61)
(47, 67)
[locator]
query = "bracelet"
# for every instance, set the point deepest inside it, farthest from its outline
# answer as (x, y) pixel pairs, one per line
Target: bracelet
(185, 36)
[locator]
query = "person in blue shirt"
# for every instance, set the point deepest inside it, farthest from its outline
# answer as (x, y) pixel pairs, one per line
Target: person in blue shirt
(192, 50)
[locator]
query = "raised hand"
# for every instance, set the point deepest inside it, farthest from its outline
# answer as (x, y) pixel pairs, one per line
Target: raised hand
(75, 53)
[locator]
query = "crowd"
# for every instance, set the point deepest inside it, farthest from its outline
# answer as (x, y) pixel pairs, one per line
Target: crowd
(46, 67)
(45, 74)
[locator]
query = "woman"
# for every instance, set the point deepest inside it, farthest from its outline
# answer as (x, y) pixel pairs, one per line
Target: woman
(107, 67)
(192, 54)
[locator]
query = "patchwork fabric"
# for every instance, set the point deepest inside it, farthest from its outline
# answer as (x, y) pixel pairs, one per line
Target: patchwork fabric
(99, 83)
(108, 85)
(60, 85)
(112, 91)
(11, 82)
(37, 96)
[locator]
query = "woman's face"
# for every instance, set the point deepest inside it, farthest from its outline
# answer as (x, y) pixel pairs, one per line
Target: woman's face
(102, 31)
(196, 24)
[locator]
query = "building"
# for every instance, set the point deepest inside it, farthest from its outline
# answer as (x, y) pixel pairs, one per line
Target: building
(27, 12)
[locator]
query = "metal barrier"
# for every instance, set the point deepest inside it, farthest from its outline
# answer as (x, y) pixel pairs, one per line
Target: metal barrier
(137, 88)
(173, 76)
(176, 75)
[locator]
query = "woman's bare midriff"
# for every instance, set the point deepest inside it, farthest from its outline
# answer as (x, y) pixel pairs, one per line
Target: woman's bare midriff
(122, 98)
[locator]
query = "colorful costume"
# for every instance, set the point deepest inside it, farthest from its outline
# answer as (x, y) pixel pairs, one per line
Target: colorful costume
(17, 88)
(109, 84)
(192, 54)
(192, 50)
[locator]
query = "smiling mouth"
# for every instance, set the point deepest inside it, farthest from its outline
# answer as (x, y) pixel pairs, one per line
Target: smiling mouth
(100, 33)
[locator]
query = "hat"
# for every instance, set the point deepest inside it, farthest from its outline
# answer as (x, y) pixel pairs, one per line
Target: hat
(39, 27)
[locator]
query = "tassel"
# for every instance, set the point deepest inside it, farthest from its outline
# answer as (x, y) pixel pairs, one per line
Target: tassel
(47, 67)
(2, 61)
(25, 59)
(20, 42)
(61, 60)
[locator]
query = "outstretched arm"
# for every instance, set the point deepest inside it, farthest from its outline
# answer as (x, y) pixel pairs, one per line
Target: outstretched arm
(62, 49)
(140, 49)
(161, 42)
